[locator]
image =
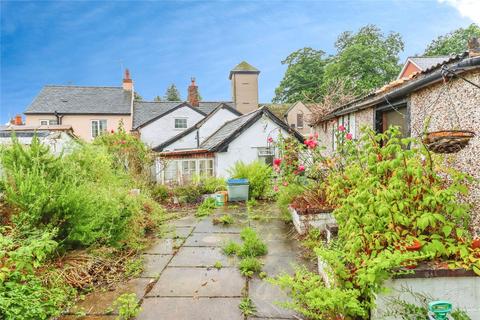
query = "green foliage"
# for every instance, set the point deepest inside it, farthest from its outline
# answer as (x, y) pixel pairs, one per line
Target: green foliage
(225, 220)
(247, 307)
(252, 246)
(454, 42)
(259, 176)
(218, 265)
(172, 94)
(231, 248)
(210, 184)
(161, 192)
(303, 78)
(189, 193)
(206, 208)
(365, 60)
(134, 267)
(249, 266)
(128, 306)
(314, 300)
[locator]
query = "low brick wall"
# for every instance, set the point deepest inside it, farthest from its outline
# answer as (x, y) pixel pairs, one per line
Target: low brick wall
(303, 222)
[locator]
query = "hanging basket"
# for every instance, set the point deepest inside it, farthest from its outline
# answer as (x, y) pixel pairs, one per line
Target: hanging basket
(447, 141)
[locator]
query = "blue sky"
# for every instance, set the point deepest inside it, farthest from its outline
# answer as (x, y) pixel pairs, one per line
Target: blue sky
(163, 42)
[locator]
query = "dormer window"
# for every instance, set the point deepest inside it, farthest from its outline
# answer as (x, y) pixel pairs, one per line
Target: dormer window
(180, 123)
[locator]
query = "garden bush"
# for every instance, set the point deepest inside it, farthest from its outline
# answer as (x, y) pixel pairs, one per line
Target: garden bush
(259, 176)
(79, 200)
(210, 184)
(395, 208)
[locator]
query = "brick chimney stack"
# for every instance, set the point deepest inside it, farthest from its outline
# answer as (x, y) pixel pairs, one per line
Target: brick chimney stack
(474, 47)
(193, 94)
(127, 81)
(18, 120)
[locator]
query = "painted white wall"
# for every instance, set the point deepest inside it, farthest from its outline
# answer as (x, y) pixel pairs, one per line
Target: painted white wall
(215, 121)
(163, 128)
(208, 127)
(245, 147)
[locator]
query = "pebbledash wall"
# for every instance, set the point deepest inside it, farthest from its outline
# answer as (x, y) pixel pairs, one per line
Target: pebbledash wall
(454, 105)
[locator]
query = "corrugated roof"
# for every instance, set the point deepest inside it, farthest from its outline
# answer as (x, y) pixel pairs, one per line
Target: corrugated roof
(80, 99)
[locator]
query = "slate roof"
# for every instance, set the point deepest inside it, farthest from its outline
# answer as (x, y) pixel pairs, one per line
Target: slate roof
(81, 100)
(145, 111)
(208, 106)
(233, 128)
(427, 62)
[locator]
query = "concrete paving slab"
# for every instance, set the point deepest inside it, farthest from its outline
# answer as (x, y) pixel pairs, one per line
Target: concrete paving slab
(164, 246)
(177, 232)
(99, 302)
(190, 309)
(284, 248)
(210, 240)
(206, 226)
(154, 264)
(200, 257)
(266, 297)
(189, 221)
(198, 282)
(273, 265)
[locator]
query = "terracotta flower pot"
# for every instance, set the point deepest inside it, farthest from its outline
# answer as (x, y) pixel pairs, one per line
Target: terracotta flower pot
(415, 246)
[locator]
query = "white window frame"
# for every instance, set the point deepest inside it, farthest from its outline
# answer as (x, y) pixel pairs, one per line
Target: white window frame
(48, 122)
(180, 128)
(209, 169)
(100, 130)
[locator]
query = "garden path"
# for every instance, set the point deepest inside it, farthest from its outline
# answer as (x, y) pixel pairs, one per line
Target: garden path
(179, 281)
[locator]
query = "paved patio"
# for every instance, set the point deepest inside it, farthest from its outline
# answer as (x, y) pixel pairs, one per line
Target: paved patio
(180, 282)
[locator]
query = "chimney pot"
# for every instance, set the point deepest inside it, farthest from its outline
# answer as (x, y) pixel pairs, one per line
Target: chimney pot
(474, 47)
(127, 81)
(193, 93)
(18, 120)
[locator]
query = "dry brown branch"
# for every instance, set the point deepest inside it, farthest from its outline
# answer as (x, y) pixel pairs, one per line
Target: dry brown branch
(337, 95)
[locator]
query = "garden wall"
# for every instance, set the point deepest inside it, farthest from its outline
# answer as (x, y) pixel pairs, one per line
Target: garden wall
(462, 291)
(454, 106)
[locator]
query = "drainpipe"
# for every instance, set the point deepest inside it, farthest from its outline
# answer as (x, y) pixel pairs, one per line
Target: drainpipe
(59, 117)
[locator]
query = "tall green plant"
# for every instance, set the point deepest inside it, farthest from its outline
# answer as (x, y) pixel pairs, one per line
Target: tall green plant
(259, 176)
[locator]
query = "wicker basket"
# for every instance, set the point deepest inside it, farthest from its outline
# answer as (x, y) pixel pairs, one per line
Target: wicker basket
(447, 141)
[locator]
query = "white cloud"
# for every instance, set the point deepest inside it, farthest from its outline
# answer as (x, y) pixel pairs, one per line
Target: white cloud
(467, 8)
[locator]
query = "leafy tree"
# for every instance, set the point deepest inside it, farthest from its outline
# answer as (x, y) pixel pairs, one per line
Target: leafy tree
(303, 78)
(172, 93)
(454, 42)
(137, 96)
(365, 60)
(157, 99)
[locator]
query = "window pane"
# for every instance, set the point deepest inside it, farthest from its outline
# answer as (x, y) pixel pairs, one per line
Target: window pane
(300, 120)
(52, 122)
(102, 126)
(395, 118)
(202, 169)
(94, 128)
(43, 122)
(180, 123)
(210, 167)
(171, 171)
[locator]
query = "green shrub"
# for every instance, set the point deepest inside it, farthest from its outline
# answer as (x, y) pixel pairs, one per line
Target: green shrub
(189, 193)
(225, 220)
(206, 208)
(259, 176)
(249, 266)
(161, 192)
(210, 184)
(285, 196)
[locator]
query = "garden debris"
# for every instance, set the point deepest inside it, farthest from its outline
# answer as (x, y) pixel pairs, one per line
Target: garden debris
(82, 270)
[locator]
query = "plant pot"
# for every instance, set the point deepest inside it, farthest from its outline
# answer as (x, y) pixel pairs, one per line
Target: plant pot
(415, 246)
(447, 141)
(475, 243)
